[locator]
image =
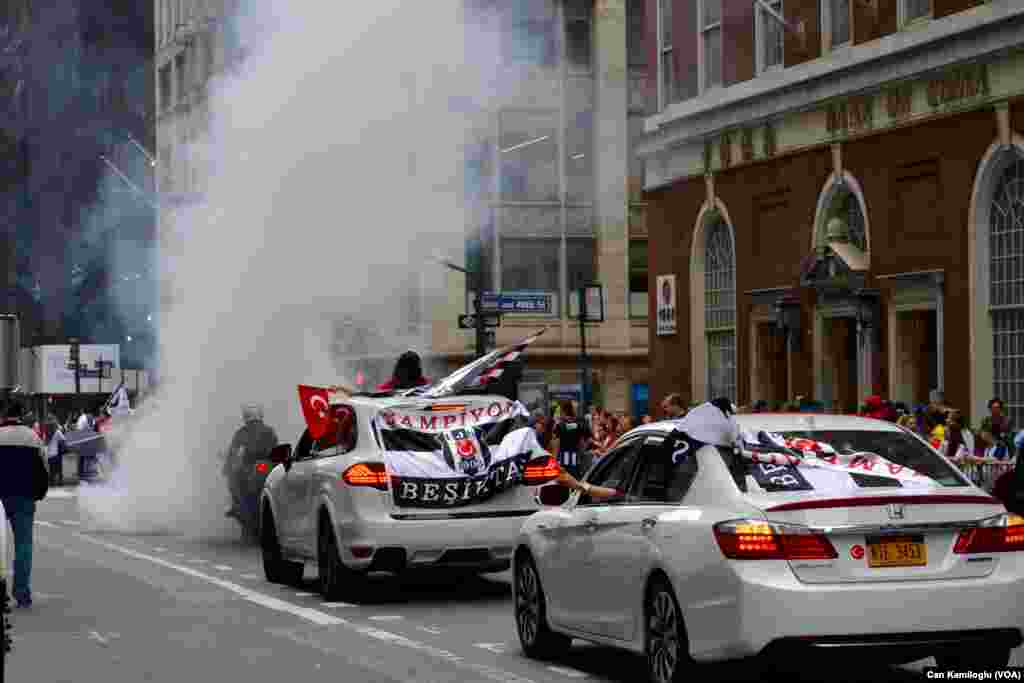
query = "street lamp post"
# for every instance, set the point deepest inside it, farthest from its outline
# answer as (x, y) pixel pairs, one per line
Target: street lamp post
(477, 282)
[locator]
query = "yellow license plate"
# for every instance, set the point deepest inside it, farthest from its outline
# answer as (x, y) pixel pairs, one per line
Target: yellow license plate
(897, 552)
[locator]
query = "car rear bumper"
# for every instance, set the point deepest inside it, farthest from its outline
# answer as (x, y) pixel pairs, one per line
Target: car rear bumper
(771, 611)
(479, 542)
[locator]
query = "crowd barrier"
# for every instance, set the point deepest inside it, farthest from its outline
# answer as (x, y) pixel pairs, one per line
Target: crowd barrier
(984, 472)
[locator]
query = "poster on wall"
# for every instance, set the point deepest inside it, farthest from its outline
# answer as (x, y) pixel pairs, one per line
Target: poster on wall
(666, 304)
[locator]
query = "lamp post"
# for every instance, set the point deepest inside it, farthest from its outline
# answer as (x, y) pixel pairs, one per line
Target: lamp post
(476, 279)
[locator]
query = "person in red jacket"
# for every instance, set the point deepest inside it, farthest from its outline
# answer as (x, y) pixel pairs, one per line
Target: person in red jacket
(408, 374)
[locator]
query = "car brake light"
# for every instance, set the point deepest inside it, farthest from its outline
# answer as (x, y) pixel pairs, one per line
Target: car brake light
(372, 474)
(262, 467)
(746, 539)
(1000, 534)
(541, 471)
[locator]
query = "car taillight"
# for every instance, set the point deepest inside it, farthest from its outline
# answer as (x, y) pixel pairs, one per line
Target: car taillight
(372, 474)
(746, 539)
(262, 467)
(541, 471)
(1000, 534)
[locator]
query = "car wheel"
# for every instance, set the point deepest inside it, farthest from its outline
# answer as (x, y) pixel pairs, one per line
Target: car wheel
(275, 567)
(336, 580)
(666, 647)
(997, 658)
(536, 637)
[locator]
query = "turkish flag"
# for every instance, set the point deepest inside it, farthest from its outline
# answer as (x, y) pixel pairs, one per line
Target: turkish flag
(316, 408)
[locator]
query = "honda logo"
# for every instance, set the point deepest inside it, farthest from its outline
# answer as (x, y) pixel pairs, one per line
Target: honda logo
(895, 511)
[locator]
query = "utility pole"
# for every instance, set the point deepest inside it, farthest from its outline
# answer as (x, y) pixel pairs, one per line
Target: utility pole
(75, 356)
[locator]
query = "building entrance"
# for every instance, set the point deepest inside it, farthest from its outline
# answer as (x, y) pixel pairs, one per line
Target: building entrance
(916, 356)
(839, 365)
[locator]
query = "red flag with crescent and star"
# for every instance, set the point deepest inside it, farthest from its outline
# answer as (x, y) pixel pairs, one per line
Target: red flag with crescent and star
(316, 409)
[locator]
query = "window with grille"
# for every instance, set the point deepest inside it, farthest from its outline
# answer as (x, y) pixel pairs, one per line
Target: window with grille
(720, 310)
(916, 9)
(769, 37)
(667, 82)
(165, 87)
(1006, 277)
(838, 21)
(711, 43)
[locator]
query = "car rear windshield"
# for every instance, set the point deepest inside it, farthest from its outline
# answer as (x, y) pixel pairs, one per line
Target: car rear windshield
(897, 448)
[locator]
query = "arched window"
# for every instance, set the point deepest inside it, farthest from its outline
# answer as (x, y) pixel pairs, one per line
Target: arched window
(1006, 294)
(720, 309)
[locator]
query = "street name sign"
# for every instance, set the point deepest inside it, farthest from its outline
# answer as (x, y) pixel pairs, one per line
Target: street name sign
(518, 302)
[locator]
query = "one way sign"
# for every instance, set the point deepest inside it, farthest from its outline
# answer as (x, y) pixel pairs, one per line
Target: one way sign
(467, 321)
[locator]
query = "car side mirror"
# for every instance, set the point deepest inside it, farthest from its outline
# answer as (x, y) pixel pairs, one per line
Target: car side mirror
(281, 454)
(554, 495)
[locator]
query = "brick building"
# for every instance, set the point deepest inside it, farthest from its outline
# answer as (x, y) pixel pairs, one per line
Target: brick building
(837, 188)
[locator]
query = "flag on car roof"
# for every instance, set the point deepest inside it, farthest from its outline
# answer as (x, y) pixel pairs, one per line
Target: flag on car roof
(484, 374)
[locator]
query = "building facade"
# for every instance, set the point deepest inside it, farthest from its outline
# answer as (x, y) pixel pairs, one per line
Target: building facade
(553, 192)
(837, 189)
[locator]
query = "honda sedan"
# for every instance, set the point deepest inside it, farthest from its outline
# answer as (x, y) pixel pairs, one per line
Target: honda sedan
(817, 533)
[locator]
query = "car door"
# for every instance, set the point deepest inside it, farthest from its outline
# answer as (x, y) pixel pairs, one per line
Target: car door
(571, 568)
(294, 494)
(626, 541)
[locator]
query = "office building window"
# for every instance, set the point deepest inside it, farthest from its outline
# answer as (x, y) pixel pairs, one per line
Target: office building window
(528, 33)
(528, 148)
(912, 10)
(579, 136)
(638, 301)
(837, 22)
(578, 45)
(769, 37)
(668, 90)
(711, 43)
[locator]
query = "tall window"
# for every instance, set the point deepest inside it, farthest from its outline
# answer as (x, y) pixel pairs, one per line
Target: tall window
(720, 310)
(166, 95)
(668, 92)
(915, 9)
(769, 37)
(837, 21)
(638, 301)
(180, 74)
(711, 43)
(528, 149)
(1006, 269)
(577, 35)
(528, 33)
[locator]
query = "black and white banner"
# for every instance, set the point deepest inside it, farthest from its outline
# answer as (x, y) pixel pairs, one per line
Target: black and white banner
(441, 459)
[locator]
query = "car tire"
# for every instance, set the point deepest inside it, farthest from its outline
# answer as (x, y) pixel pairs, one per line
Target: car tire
(336, 581)
(275, 567)
(535, 635)
(666, 648)
(992, 658)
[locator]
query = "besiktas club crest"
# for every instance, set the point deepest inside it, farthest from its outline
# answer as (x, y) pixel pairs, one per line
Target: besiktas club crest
(464, 453)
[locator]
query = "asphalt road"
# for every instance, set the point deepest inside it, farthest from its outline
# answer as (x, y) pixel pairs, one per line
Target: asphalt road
(113, 608)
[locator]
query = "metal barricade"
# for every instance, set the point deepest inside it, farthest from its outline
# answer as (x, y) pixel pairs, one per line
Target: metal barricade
(985, 472)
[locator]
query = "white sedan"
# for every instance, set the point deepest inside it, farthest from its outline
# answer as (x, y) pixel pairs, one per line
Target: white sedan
(821, 533)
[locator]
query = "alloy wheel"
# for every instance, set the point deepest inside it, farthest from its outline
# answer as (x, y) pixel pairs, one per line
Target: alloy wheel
(663, 637)
(527, 597)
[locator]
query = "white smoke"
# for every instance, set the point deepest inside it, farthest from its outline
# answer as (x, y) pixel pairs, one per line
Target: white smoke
(336, 175)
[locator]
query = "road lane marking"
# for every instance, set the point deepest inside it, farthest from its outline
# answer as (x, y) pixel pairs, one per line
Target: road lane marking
(71, 522)
(431, 629)
(249, 577)
(304, 595)
(49, 525)
(160, 549)
(571, 673)
(93, 635)
(496, 648)
(313, 615)
(386, 618)
(222, 567)
(337, 604)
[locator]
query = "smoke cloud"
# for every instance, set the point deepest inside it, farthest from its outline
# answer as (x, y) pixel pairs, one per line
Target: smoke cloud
(335, 163)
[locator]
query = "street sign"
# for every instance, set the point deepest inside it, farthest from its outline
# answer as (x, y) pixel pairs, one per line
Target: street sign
(468, 320)
(518, 302)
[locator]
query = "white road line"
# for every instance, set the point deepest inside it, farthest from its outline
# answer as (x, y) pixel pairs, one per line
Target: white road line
(51, 525)
(316, 616)
(430, 629)
(62, 493)
(222, 567)
(337, 604)
(303, 595)
(249, 577)
(496, 648)
(160, 549)
(71, 522)
(93, 635)
(571, 673)
(386, 618)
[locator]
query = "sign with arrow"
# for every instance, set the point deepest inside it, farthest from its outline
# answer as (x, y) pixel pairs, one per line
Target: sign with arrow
(467, 321)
